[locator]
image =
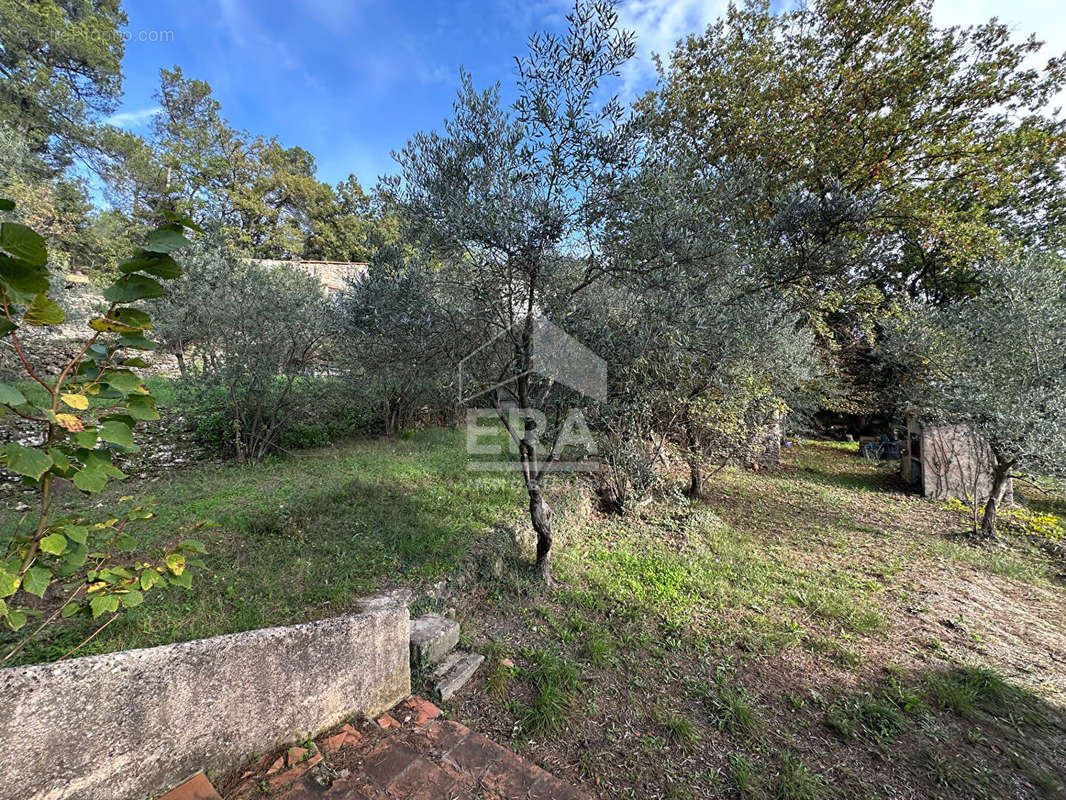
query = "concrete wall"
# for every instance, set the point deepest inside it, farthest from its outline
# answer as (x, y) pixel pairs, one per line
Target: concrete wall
(945, 461)
(134, 724)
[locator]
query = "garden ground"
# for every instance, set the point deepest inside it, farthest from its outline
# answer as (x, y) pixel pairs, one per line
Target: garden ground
(804, 632)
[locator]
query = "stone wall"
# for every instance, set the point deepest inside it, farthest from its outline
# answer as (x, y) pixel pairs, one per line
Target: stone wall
(134, 724)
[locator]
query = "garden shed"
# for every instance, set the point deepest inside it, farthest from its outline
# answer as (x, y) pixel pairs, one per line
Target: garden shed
(945, 460)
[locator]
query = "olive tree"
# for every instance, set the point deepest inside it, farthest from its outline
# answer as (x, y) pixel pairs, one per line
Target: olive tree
(995, 363)
(252, 339)
(512, 205)
(398, 344)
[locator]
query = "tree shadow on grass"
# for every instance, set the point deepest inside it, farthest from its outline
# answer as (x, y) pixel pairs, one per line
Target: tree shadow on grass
(311, 557)
(830, 465)
(953, 731)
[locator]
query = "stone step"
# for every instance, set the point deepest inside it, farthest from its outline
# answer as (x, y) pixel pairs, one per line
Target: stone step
(452, 674)
(432, 638)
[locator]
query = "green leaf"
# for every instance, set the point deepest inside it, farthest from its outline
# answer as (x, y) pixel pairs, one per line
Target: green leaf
(133, 317)
(126, 543)
(108, 325)
(123, 380)
(100, 460)
(102, 604)
(165, 239)
(116, 433)
(90, 479)
(27, 461)
(36, 580)
(54, 543)
(22, 276)
(10, 395)
(76, 533)
(192, 544)
(16, 619)
(175, 563)
(70, 610)
(182, 220)
(159, 264)
(184, 579)
(43, 311)
(9, 205)
(6, 326)
(134, 287)
(24, 243)
(86, 438)
(75, 558)
(149, 578)
(9, 582)
(132, 598)
(137, 343)
(142, 407)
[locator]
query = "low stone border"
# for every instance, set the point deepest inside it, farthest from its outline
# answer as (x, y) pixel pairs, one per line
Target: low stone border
(134, 724)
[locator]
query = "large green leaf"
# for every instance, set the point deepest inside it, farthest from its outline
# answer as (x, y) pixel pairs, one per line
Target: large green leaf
(133, 317)
(23, 276)
(108, 325)
(9, 582)
(116, 433)
(16, 619)
(142, 407)
(90, 479)
(6, 326)
(36, 580)
(43, 311)
(158, 264)
(10, 395)
(123, 380)
(6, 204)
(85, 438)
(101, 604)
(54, 543)
(24, 243)
(132, 288)
(137, 342)
(166, 239)
(183, 220)
(27, 461)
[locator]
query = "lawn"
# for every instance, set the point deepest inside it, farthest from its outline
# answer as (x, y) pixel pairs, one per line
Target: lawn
(808, 632)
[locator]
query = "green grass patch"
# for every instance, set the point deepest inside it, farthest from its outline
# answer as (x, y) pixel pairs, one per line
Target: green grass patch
(302, 537)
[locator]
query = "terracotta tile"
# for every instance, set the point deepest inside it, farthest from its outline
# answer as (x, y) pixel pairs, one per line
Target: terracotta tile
(334, 742)
(475, 754)
(420, 711)
(388, 721)
(387, 761)
(294, 755)
(358, 788)
(198, 787)
(422, 781)
(443, 735)
(512, 776)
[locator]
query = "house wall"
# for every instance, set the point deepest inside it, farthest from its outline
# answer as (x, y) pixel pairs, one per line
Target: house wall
(950, 461)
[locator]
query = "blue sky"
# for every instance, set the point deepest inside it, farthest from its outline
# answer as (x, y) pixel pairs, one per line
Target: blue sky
(352, 80)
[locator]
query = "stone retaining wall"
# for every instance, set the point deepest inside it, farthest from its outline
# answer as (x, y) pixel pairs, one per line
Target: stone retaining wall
(134, 724)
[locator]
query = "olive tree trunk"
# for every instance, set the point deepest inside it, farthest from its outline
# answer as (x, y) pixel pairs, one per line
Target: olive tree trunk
(1000, 478)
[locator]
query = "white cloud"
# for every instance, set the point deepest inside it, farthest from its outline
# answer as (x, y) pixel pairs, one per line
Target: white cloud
(658, 25)
(133, 119)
